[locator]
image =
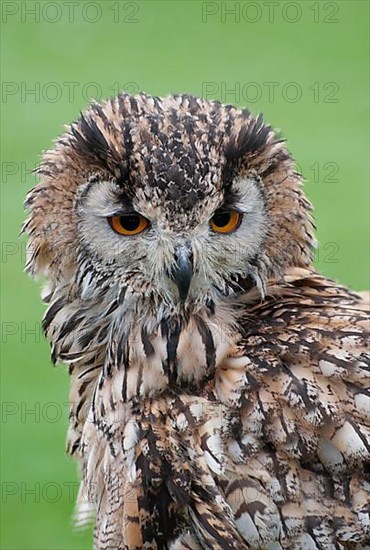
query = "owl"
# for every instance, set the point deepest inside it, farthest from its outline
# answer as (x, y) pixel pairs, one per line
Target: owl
(219, 386)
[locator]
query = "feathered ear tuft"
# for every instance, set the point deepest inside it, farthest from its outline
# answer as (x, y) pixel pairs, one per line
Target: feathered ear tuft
(252, 137)
(90, 141)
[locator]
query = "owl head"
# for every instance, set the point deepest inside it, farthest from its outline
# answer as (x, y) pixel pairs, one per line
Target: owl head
(179, 203)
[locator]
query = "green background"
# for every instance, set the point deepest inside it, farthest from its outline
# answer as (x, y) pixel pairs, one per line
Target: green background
(317, 50)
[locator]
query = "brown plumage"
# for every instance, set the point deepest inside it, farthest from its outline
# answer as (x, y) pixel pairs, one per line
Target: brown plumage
(220, 392)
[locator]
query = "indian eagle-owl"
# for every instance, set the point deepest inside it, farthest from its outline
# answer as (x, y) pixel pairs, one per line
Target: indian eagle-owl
(219, 385)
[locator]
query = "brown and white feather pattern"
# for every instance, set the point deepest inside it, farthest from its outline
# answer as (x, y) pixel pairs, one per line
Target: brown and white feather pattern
(240, 419)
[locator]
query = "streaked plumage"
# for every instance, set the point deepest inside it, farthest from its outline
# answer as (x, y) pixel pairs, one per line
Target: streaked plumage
(231, 414)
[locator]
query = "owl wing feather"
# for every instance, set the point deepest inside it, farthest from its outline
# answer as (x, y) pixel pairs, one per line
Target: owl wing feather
(304, 406)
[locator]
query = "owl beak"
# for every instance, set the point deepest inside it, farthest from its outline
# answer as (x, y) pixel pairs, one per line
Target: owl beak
(183, 272)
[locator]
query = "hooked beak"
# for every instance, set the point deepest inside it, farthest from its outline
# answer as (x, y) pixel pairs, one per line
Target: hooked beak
(183, 272)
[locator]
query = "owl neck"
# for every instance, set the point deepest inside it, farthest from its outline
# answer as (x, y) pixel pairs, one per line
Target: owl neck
(138, 351)
(137, 347)
(149, 355)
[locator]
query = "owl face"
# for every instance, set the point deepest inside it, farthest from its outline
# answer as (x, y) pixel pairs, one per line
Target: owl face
(181, 201)
(184, 254)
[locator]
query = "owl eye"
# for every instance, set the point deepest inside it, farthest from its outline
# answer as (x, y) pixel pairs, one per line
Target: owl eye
(225, 221)
(128, 224)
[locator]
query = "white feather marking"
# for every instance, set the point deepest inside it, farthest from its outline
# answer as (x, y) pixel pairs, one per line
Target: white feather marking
(130, 437)
(330, 455)
(213, 464)
(362, 402)
(348, 442)
(247, 528)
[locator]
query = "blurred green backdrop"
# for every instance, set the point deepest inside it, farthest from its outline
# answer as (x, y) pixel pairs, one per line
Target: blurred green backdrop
(303, 64)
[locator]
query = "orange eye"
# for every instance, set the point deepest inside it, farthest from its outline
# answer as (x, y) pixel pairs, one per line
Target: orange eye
(225, 222)
(128, 224)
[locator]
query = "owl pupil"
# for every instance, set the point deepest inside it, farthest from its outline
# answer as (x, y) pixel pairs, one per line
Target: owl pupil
(221, 219)
(130, 223)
